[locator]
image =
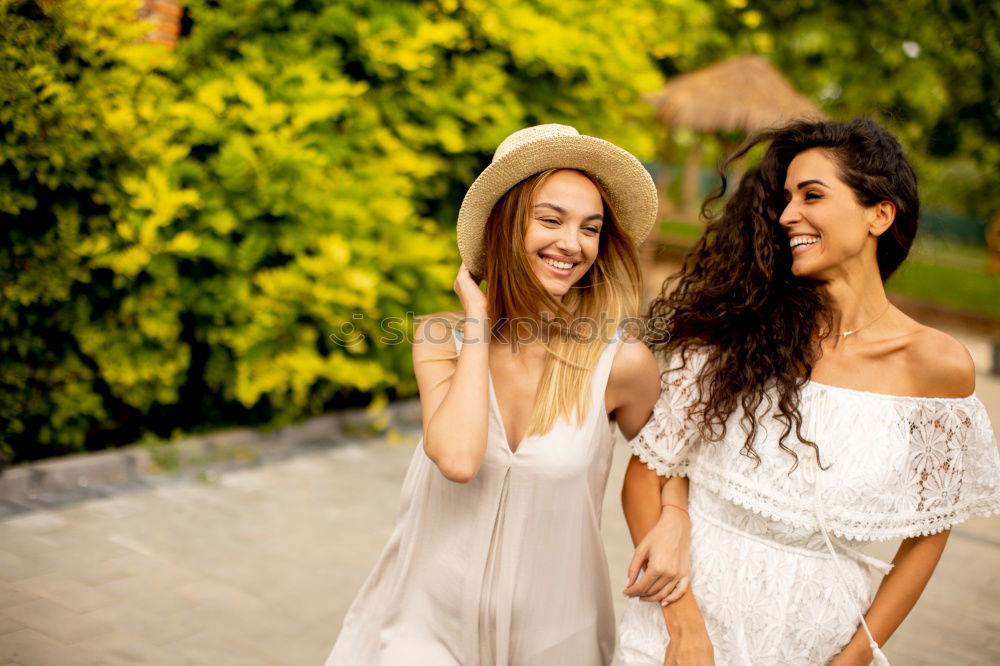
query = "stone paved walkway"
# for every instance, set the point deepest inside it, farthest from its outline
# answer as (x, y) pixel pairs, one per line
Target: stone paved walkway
(259, 567)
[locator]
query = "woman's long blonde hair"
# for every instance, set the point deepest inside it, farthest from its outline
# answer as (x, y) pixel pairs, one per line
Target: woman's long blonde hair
(587, 319)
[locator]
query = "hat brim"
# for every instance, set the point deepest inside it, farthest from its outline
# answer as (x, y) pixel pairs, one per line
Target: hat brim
(629, 187)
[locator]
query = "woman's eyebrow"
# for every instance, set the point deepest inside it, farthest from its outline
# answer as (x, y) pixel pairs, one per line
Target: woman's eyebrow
(814, 181)
(560, 209)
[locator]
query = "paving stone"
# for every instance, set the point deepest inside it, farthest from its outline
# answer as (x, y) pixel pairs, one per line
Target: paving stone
(208, 649)
(117, 648)
(71, 593)
(148, 595)
(33, 648)
(7, 625)
(36, 522)
(11, 596)
(54, 620)
(14, 567)
(134, 620)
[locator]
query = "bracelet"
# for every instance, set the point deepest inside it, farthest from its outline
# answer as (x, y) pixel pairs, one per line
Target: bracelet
(677, 507)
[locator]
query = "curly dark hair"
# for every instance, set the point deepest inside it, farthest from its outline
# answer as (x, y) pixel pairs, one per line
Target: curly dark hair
(736, 301)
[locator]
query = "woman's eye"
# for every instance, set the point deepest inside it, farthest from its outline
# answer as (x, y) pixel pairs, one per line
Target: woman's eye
(549, 220)
(813, 195)
(593, 230)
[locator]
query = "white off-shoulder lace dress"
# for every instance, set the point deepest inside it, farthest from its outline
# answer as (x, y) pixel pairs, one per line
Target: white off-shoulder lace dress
(778, 566)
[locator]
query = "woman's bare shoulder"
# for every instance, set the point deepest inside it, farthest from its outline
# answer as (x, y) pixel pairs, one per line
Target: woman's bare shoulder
(435, 322)
(435, 331)
(634, 367)
(943, 367)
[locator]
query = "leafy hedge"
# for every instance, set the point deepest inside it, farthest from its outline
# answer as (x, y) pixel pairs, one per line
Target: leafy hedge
(83, 341)
(184, 234)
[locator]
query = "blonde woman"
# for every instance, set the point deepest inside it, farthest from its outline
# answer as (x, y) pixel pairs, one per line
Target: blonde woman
(497, 556)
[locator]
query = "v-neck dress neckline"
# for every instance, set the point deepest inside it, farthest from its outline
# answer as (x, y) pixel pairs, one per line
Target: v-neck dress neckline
(495, 406)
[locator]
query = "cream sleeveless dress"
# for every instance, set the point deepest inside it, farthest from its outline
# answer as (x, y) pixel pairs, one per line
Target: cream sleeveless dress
(777, 556)
(506, 569)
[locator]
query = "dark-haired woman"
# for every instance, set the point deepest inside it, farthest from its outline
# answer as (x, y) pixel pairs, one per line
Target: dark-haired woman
(809, 414)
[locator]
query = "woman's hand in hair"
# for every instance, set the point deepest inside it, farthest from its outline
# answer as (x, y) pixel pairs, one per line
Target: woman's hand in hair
(472, 297)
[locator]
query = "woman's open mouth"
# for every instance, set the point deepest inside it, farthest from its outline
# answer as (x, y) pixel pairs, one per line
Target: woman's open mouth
(559, 267)
(802, 244)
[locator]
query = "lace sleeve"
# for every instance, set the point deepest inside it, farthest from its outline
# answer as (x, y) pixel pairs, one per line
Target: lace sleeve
(666, 442)
(953, 466)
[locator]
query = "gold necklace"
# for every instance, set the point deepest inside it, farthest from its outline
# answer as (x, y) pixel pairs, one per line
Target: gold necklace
(844, 334)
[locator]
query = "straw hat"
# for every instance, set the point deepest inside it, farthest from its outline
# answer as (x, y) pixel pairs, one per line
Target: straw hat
(532, 150)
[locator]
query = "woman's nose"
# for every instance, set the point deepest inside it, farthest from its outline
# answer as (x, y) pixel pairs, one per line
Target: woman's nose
(568, 241)
(790, 215)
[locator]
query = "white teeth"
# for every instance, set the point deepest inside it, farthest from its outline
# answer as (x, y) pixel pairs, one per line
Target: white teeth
(803, 240)
(558, 264)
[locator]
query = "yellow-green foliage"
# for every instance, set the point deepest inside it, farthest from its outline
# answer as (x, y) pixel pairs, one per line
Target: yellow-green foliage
(184, 232)
(78, 118)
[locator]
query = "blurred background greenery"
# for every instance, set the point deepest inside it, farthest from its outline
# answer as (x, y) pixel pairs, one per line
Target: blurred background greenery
(187, 230)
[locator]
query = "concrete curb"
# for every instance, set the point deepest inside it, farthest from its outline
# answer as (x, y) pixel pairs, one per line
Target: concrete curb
(130, 464)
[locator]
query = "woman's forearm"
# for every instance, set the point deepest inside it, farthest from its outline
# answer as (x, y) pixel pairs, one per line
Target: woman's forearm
(674, 495)
(455, 439)
(683, 615)
(898, 593)
(643, 493)
(641, 498)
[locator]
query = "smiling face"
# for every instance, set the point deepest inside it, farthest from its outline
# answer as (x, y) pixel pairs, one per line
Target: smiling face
(828, 230)
(563, 231)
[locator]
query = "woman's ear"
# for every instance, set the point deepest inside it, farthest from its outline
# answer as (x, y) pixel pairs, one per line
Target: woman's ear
(884, 212)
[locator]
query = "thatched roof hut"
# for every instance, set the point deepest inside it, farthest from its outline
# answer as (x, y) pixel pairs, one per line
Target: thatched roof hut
(743, 93)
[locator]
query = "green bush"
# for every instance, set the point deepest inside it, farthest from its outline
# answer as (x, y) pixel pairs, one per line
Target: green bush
(185, 233)
(78, 111)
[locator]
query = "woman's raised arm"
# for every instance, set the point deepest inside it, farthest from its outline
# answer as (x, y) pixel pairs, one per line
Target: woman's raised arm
(454, 390)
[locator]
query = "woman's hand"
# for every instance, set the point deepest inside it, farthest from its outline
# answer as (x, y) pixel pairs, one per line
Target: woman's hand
(690, 648)
(472, 297)
(666, 553)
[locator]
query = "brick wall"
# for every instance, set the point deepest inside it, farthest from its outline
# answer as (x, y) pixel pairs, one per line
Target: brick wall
(166, 17)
